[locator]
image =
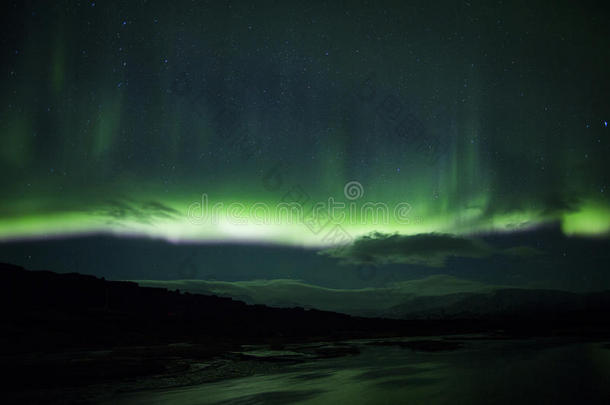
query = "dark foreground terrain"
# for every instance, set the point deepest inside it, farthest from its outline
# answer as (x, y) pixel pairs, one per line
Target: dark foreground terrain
(77, 338)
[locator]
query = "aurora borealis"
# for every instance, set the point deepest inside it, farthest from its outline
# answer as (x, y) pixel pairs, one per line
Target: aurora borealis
(474, 118)
(305, 201)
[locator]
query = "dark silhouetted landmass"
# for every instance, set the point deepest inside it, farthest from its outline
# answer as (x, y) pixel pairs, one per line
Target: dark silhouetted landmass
(508, 303)
(46, 310)
(49, 310)
(73, 330)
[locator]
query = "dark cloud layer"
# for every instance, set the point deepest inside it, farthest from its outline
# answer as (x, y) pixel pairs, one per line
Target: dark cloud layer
(432, 249)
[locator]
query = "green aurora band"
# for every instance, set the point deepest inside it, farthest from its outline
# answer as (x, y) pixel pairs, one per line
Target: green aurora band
(121, 121)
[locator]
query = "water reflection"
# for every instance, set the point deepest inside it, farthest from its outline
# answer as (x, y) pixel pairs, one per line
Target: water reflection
(481, 372)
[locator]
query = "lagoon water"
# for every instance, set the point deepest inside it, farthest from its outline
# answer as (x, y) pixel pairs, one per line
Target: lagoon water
(481, 372)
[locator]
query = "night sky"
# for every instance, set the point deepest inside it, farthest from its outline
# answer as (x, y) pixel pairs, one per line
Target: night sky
(482, 127)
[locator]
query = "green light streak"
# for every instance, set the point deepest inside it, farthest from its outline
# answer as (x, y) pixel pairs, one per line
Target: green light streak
(593, 219)
(267, 225)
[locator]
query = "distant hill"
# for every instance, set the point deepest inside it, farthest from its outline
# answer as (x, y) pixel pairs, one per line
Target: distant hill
(46, 309)
(434, 297)
(42, 310)
(360, 302)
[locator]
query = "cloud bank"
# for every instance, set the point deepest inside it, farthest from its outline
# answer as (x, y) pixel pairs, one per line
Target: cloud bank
(429, 249)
